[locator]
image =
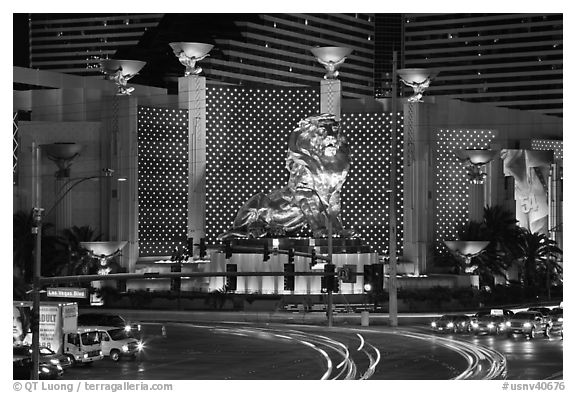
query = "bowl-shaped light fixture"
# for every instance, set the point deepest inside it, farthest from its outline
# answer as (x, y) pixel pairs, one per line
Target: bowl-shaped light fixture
(62, 150)
(477, 156)
(467, 248)
(418, 79)
(188, 53)
(120, 71)
(104, 248)
(331, 57)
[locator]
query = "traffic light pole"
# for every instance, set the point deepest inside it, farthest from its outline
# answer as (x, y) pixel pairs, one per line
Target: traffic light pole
(392, 290)
(329, 306)
(36, 272)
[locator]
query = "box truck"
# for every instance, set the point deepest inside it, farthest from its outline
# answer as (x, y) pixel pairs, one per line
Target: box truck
(58, 330)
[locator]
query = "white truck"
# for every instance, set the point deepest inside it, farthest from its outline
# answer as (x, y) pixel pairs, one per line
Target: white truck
(58, 330)
(116, 341)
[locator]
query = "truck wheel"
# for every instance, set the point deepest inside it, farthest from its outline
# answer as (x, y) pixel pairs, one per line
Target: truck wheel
(115, 355)
(72, 359)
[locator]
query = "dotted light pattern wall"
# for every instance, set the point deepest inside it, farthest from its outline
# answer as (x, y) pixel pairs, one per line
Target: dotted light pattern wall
(162, 179)
(246, 137)
(365, 200)
(451, 184)
(549, 144)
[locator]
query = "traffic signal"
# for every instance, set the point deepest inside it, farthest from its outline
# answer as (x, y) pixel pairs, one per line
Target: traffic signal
(291, 255)
(202, 246)
(228, 249)
(373, 278)
(231, 281)
(312, 258)
(289, 280)
(176, 282)
(330, 282)
(368, 278)
(266, 253)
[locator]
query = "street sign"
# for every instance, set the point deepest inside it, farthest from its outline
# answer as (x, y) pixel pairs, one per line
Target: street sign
(77, 293)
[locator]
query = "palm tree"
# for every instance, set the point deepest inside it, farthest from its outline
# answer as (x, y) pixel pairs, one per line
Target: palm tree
(79, 260)
(499, 227)
(53, 249)
(540, 259)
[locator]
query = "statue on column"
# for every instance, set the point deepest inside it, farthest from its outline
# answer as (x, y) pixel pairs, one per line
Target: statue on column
(318, 160)
(530, 170)
(190, 62)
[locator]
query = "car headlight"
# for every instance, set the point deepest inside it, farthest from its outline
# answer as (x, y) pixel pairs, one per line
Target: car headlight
(140, 346)
(433, 324)
(508, 324)
(45, 370)
(54, 361)
(85, 356)
(474, 324)
(59, 367)
(560, 319)
(127, 328)
(450, 324)
(527, 324)
(124, 348)
(101, 353)
(490, 325)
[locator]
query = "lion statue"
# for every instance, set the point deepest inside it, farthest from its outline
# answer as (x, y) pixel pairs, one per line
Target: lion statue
(318, 160)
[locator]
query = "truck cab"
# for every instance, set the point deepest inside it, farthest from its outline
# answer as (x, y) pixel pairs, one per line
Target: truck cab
(82, 346)
(116, 341)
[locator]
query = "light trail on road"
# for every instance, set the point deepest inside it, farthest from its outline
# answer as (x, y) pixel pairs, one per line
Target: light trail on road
(483, 362)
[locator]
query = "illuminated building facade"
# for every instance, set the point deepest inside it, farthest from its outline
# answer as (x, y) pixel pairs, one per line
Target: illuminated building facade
(509, 60)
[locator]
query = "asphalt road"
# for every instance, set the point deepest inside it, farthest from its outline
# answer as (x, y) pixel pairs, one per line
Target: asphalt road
(248, 351)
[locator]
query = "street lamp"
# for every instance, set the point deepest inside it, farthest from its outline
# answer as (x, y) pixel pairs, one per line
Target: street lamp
(188, 53)
(104, 251)
(467, 249)
(474, 160)
(121, 71)
(331, 57)
(418, 79)
(63, 153)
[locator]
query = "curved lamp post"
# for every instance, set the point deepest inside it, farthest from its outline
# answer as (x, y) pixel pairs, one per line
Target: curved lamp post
(64, 151)
(418, 79)
(188, 53)
(331, 57)
(120, 71)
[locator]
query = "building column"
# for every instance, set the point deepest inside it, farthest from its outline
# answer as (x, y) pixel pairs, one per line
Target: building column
(192, 96)
(122, 132)
(418, 187)
(63, 208)
(331, 97)
(476, 202)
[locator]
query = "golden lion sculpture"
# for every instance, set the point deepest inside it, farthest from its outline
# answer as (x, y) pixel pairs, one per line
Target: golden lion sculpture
(318, 160)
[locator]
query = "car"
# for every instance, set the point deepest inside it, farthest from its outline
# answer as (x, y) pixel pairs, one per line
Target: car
(493, 311)
(529, 324)
(117, 342)
(49, 356)
(102, 319)
(22, 365)
(543, 310)
(489, 324)
(557, 321)
(452, 323)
